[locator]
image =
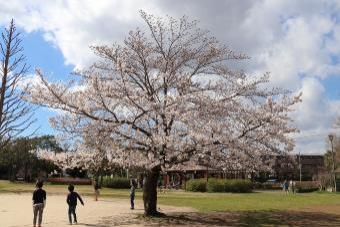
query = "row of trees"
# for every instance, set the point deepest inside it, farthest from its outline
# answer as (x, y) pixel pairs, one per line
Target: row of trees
(19, 160)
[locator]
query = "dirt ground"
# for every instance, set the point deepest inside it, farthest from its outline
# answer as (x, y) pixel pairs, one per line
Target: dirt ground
(16, 211)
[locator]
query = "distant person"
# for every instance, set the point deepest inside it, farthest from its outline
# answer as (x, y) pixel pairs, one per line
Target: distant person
(39, 202)
(132, 193)
(71, 200)
(285, 187)
(143, 181)
(96, 190)
(160, 185)
(292, 186)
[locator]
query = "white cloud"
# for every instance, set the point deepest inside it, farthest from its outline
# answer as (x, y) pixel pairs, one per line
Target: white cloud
(297, 41)
(314, 117)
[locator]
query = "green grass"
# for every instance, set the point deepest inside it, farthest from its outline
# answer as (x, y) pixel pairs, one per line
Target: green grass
(203, 202)
(266, 208)
(257, 201)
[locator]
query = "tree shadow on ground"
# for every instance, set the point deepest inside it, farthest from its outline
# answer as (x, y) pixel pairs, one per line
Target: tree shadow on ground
(252, 218)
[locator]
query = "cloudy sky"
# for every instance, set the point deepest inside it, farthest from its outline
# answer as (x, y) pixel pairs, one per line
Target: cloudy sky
(297, 41)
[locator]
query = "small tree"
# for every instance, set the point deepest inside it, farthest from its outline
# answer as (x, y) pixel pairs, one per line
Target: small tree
(169, 96)
(328, 157)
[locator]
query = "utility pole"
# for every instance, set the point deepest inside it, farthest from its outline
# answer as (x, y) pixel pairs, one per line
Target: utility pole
(331, 137)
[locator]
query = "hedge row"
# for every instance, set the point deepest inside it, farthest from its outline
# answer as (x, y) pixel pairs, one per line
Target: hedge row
(219, 185)
(69, 180)
(116, 182)
(303, 186)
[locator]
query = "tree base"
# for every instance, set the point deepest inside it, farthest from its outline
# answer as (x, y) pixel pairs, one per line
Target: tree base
(156, 214)
(150, 192)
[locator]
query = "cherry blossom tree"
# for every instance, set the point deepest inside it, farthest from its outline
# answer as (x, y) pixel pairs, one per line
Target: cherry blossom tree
(92, 153)
(167, 96)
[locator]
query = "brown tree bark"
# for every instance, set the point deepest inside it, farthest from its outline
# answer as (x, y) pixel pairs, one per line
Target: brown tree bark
(150, 192)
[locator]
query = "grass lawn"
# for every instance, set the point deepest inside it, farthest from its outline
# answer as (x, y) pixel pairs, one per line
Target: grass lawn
(207, 202)
(203, 202)
(266, 208)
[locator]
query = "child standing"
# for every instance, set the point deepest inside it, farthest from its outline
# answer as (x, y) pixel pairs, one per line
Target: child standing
(39, 201)
(132, 193)
(72, 203)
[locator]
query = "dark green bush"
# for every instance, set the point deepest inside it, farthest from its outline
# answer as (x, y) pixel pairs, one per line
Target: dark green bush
(197, 185)
(219, 185)
(304, 190)
(216, 185)
(116, 182)
(238, 185)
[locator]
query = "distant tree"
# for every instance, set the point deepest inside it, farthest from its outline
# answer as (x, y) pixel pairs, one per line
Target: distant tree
(48, 142)
(15, 114)
(328, 156)
(17, 157)
(328, 160)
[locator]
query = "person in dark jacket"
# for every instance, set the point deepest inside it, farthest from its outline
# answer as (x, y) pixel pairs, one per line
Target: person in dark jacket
(39, 201)
(133, 184)
(71, 200)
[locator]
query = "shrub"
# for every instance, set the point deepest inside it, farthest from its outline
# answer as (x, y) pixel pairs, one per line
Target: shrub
(215, 185)
(238, 185)
(197, 185)
(257, 185)
(307, 186)
(69, 180)
(275, 186)
(219, 185)
(116, 182)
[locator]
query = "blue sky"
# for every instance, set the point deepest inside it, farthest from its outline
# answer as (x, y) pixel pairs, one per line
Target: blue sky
(332, 85)
(44, 55)
(297, 41)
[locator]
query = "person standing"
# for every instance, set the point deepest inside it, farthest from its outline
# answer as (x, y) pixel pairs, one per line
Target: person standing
(132, 193)
(72, 204)
(39, 202)
(292, 186)
(286, 186)
(96, 190)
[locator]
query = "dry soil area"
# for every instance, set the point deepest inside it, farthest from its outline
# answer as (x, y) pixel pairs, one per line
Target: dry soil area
(16, 211)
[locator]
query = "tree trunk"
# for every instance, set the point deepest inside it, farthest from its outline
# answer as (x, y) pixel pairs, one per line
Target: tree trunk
(150, 192)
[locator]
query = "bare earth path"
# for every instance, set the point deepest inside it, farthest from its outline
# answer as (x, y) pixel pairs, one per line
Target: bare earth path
(16, 211)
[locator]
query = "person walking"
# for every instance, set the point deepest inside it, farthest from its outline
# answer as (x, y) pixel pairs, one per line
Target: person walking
(39, 202)
(132, 193)
(71, 200)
